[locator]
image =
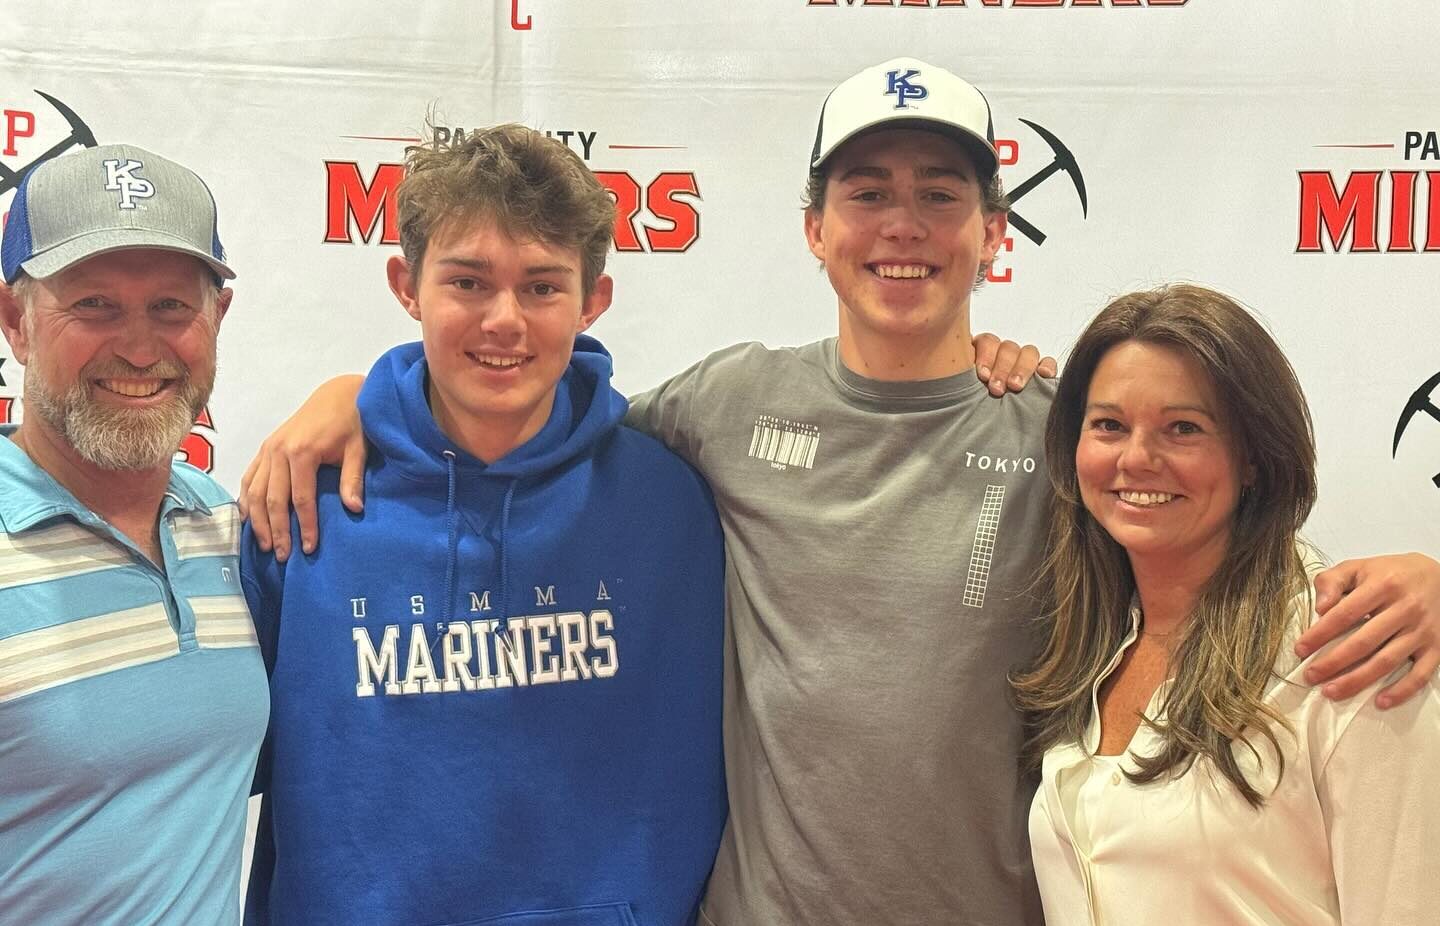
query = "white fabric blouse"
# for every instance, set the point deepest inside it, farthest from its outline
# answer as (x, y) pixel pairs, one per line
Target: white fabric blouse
(1351, 834)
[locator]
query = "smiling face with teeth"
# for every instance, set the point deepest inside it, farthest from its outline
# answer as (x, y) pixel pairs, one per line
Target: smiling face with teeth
(1156, 464)
(498, 317)
(119, 354)
(903, 234)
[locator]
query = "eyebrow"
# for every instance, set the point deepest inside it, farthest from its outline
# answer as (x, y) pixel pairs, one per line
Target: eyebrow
(929, 172)
(1112, 407)
(482, 265)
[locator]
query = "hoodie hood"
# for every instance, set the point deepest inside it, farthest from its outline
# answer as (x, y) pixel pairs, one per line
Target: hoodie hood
(395, 412)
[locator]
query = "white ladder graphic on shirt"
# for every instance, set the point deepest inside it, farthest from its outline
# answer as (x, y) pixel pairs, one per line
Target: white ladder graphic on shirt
(979, 575)
(782, 442)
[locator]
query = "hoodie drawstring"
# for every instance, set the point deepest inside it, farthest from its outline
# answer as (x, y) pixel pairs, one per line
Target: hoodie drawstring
(505, 552)
(452, 529)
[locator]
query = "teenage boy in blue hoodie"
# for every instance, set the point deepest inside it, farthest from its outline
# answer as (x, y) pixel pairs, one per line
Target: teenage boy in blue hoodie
(496, 692)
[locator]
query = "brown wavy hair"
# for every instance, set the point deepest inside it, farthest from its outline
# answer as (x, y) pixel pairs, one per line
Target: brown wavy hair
(1230, 645)
(530, 185)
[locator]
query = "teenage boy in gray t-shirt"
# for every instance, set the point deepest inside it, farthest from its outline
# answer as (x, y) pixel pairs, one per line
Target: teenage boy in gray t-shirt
(883, 521)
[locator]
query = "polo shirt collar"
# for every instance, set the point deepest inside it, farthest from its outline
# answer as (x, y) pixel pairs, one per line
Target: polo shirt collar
(29, 495)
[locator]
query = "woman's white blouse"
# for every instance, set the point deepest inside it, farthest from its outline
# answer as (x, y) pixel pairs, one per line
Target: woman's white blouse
(1351, 835)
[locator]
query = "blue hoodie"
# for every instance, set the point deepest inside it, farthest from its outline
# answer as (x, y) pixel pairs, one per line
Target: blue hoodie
(496, 692)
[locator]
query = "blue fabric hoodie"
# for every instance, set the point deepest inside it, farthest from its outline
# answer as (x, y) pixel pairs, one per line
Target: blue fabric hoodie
(496, 692)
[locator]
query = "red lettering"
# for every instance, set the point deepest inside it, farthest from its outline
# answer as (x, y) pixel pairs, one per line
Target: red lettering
(991, 276)
(13, 119)
(349, 198)
(626, 191)
(1402, 210)
(1008, 150)
(515, 22)
(1052, 4)
(7, 411)
(1432, 235)
(1354, 211)
(197, 449)
(683, 217)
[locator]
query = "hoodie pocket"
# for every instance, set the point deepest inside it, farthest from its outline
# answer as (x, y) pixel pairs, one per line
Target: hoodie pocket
(608, 914)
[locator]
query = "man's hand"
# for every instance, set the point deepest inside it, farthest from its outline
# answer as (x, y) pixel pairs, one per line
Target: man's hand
(1006, 365)
(326, 429)
(1397, 599)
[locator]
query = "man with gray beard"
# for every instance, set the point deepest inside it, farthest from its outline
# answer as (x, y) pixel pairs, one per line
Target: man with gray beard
(132, 694)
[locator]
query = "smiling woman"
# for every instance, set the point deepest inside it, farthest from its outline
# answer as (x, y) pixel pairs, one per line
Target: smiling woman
(1176, 741)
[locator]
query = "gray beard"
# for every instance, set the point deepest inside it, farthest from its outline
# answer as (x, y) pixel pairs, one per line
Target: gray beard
(117, 438)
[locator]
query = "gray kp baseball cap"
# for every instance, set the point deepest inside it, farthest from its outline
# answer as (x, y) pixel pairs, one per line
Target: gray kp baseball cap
(104, 199)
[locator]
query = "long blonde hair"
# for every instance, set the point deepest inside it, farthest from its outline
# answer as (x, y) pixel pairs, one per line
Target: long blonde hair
(1229, 648)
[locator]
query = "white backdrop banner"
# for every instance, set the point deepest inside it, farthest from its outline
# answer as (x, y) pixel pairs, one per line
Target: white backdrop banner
(1283, 151)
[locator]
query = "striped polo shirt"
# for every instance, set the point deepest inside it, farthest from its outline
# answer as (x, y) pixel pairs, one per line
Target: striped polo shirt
(133, 701)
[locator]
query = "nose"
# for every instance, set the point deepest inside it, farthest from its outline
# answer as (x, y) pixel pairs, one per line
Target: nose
(1139, 453)
(903, 221)
(504, 318)
(139, 342)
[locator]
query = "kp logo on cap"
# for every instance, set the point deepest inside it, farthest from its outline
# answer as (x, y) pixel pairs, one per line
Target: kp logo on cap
(899, 86)
(120, 177)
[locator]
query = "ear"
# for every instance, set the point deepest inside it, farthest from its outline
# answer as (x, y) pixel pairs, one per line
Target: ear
(222, 303)
(12, 322)
(996, 224)
(814, 220)
(404, 284)
(597, 302)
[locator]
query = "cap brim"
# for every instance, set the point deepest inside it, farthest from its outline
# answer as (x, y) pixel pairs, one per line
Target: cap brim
(980, 149)
(68, 253)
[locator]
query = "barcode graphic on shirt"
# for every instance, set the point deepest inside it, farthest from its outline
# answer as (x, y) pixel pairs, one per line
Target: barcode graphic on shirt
(978, 578)
(783, 442)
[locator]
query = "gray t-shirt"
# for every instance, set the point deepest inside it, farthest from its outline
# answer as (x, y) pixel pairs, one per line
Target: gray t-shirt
(882, 541)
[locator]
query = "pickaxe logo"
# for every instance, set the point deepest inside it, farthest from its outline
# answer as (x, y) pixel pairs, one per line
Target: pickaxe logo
(1065, 161)
(80, 134)
(1419, 401)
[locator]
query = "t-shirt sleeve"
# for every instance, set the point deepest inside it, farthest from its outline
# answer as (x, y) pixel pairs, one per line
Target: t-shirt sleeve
(665, 412)
(1381, 802)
